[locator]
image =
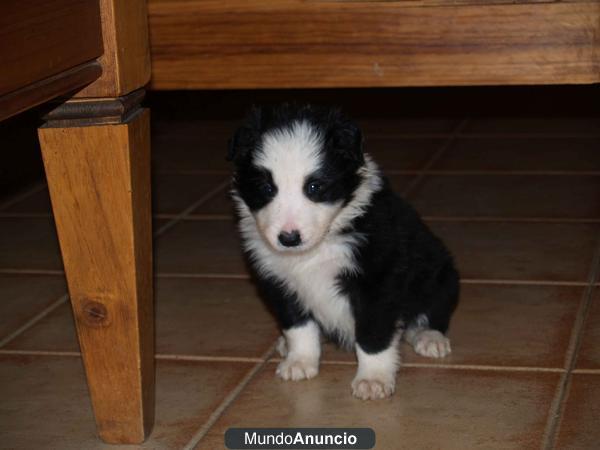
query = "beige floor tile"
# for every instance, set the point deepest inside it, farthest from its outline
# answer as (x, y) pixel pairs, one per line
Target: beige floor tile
(579, 426)
(200, 247)
(402, 154)
(589, 352)
(510, 326)
(55, 332)
(525, 326)
(399, 183)
(24, 296)
(521, 154)
(29, 243)
(520, 251)
(432, 408)
(172, 193)
(201, 129)
(204, 317)
(545, 125)
(184, 152)
(212, 317)
(45, 402)
(220, 204)
(551, 196)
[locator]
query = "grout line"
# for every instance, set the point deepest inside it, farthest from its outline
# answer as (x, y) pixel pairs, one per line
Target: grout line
(23, 195)
(483, 367)
(328, 362)
(479, 135)
(26, 215)
(35, 319)
(241, 276)
(226, 276)
(212, 193)
(192, 172)
(222, 217)
(12, 271)
(494, 172)
(169, 357)
(522, 282)
(158, 356)
(434, 158)
(511, 219)
(227, 401)
(559, 401)
(370, 136)
(448, 172)
(507, 219)
(508, 135)
(39, 352)
(198, 217)
(586, 371)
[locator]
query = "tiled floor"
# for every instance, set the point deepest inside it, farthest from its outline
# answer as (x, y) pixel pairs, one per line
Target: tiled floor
(518, 202)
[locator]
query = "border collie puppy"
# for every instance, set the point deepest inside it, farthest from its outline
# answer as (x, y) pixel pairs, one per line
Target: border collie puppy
(334, 250)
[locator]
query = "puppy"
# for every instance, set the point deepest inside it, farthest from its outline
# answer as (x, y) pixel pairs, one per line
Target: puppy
(334, 250)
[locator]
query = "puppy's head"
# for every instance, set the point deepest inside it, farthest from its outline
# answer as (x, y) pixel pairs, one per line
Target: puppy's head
(296, 167)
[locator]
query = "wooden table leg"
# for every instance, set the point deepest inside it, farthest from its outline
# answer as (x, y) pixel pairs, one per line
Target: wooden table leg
(97, 158)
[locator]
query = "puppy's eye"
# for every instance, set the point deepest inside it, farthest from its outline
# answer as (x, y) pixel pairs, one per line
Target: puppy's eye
(312, 188)
(267, 189)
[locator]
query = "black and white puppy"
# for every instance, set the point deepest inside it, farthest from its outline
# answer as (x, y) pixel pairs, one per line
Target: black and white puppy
(334, 250)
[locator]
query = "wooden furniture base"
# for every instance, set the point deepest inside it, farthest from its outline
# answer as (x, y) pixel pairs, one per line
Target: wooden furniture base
(212, 44)
(97, 158)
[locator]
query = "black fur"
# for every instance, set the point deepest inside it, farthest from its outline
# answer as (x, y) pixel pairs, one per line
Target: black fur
(406, 271)
(342, 149)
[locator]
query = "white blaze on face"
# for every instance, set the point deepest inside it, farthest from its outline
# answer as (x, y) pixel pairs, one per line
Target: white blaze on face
(291, 155)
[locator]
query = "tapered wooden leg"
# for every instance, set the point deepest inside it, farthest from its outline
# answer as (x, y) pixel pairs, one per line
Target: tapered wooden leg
(99, 181)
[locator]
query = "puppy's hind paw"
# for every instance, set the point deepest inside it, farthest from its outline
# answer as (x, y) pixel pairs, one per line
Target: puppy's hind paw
(297, 369)
(431, 343)
(372, 389)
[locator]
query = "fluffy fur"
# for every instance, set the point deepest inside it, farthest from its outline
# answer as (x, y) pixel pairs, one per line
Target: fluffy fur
(334, 250)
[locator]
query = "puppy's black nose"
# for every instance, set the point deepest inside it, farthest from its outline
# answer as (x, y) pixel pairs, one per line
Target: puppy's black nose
(291, 239)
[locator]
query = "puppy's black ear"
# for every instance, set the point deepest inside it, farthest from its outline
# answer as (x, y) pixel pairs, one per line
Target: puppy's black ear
(246, 137)
(344, 137)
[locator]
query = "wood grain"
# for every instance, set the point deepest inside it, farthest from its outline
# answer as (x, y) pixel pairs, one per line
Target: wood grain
(37, 93)
(95, 111)
(40, 38)
(126, 58)
(210, 44)
(99, 182)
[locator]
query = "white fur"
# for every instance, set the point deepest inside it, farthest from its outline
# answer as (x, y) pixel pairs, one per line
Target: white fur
(310, 271)
(311, 275)
(431, 343)
(302, 352)
(362, 196)
(376, 374)
(425, 341)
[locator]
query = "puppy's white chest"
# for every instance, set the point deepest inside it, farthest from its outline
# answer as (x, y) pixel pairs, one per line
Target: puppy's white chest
(314, 279)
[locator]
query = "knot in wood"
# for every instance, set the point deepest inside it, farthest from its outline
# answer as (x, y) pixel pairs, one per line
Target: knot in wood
(95, 314)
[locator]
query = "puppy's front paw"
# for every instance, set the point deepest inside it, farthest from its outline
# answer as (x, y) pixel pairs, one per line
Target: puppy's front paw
(298, 369)
(432, 343)
(281, 347)
(372, 389)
